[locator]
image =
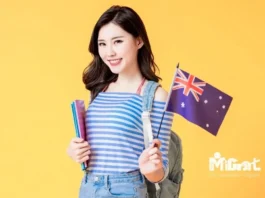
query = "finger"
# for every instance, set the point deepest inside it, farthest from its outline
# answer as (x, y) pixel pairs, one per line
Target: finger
(156, 143)
(81, 145)
(84, 144)
(155, 156)
(153, 151)
(146, 151)
(145, 156)
(80, 151)
(77, 140)
(84, 154)
(82, 159)
(159, 154)
(156, 161)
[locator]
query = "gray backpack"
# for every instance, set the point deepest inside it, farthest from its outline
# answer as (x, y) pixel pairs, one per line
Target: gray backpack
(170, 186)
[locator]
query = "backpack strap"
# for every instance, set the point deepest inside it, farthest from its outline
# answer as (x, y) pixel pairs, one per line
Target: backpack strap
(149, 94)
(148, 97)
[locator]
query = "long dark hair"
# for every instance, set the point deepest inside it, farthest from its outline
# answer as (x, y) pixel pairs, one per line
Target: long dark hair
(97, 75)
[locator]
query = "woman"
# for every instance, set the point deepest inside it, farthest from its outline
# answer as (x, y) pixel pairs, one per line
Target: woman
(122, 65)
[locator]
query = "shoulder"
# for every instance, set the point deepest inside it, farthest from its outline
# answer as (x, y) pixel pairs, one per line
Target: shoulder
(161, 94)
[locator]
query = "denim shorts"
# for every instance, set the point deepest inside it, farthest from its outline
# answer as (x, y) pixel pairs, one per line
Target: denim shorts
(124, 185)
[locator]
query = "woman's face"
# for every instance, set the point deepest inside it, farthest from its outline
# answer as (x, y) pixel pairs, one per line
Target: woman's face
(117, 48)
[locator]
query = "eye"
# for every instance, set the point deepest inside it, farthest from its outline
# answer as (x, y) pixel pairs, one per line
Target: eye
(101, 44)
(118, 41)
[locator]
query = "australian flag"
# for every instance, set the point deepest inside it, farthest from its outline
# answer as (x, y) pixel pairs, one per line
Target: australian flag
(198, 101)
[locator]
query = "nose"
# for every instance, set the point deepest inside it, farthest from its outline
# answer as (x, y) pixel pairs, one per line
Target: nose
(110, 51)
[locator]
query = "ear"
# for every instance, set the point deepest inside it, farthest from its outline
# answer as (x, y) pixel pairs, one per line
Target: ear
(139, 42)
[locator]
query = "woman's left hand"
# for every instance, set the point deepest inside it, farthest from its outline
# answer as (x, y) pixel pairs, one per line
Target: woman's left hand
(150, 160)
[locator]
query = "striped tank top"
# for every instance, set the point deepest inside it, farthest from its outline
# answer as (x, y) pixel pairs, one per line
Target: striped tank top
(115, 132)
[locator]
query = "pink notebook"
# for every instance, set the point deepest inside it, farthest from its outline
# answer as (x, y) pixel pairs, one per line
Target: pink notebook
(78, 111)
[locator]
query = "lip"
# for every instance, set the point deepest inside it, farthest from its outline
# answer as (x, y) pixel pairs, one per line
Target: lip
(115, 63)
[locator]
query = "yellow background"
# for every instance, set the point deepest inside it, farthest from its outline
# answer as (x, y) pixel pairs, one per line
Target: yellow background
(43, 51)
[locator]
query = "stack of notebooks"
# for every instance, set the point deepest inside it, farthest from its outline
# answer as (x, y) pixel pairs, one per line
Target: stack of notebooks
(78, 111)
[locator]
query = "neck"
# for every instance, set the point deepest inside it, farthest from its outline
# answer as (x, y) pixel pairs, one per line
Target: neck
(130, 76)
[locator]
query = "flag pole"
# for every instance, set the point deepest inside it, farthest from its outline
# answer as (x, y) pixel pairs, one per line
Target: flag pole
(167, 100)
(171, 88)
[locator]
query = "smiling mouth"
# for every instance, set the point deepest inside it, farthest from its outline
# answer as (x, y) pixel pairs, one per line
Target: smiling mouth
(115, 62)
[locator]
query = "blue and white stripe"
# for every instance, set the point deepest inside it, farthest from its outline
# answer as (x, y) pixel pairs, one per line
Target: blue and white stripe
(114, 132)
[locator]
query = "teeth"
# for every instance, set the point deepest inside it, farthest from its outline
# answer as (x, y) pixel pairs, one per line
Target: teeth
(115, 61)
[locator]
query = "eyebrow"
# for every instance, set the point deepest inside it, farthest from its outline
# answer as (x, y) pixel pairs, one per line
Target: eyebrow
(112, 38)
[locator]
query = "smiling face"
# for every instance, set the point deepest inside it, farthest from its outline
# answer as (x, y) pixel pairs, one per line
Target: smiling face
(118, 49)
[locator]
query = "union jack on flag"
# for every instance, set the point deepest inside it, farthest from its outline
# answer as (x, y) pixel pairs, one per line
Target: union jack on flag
(188, 85)
(209, 108)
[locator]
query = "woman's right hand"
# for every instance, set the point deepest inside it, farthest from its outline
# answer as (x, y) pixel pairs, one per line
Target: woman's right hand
(78, 150)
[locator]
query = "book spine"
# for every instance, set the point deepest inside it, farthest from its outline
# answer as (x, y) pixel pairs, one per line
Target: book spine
(77, 133)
